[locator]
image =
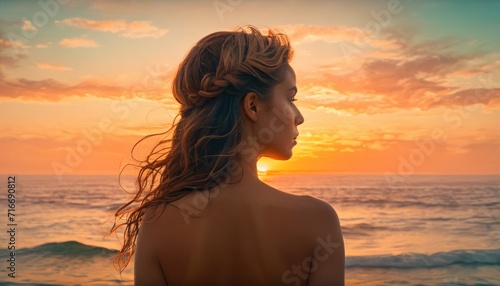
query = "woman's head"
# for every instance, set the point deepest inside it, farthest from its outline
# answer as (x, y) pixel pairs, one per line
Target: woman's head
(228, 84)
(211, 83)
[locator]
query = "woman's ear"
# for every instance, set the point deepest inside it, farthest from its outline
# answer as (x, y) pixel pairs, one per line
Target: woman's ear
(250, 105)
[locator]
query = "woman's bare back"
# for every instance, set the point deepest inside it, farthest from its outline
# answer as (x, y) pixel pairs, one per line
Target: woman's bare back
(246, 236)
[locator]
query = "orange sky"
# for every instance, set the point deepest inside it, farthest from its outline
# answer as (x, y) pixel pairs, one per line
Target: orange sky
(389, 87)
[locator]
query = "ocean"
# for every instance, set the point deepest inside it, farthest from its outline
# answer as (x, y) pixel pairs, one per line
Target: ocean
(423, 230)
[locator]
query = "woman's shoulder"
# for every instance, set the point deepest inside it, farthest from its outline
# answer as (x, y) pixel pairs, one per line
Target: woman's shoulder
(306, 203)
(312, 220)
(309, 209)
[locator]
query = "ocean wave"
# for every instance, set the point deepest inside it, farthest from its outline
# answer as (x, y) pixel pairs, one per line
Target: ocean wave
(405, 203)
(68, 249)
(362, 229)
(75, 249)
(420, 260)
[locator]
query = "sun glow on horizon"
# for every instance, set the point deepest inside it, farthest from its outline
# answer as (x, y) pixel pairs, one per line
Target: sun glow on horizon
(262, 168)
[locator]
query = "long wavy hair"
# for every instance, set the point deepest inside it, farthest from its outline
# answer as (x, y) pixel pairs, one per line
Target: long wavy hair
(209, 85)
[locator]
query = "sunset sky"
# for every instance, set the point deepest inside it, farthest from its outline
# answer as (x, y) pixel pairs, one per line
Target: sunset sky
(386, 87)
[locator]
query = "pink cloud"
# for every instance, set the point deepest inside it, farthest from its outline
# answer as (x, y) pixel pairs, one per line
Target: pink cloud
(465, 97)
(53, 90)
(28, 26)
(347, 37)
(77, 43)
(47, 66)
(7, 57)
(153, 85)
(423, 75)
(304, 33)
(134, 29)
(12, 44)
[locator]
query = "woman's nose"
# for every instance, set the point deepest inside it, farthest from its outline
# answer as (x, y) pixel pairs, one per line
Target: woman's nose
(299, 119)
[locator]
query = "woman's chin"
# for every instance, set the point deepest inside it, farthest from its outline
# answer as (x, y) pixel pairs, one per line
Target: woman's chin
(280, 156)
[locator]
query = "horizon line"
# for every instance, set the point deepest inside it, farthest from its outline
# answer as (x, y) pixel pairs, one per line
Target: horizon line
(270, 173)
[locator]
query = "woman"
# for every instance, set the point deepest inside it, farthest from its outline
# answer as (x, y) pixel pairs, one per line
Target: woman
(204, 217)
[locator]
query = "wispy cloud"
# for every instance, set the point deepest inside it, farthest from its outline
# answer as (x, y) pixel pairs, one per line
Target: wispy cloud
(352, 36)
(47, 66)
(304, 33)
(486, 96)
(132, 29)
(153, 85)
(53, 90)
(28, 26)
(7, 58)
(393, 143)
(418, 75)
(12, 44)
(78, 43)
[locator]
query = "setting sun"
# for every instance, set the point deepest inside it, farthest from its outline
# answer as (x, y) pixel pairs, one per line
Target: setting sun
(262, 168)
